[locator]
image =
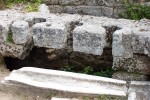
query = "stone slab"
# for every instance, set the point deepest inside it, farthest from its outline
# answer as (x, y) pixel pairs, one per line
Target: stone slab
(62, 83)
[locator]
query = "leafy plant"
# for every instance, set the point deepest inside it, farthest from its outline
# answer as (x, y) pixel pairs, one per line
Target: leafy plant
(68, 68)
(105, 73)
(31, 7)
(88, 70)
(134, 11)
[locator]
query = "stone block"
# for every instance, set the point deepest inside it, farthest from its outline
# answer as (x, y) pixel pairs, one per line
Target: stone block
(91, 2)
(71, 2)
(122, 75)
(140, 40)
(56, 9)
(20, 32)
(51, 2)
(89, 10)
(15, 51)
(50, 35)
(89, 39)
(4, 30)
(122, 39)
(138, 64)
(112, 3)
(43, 8)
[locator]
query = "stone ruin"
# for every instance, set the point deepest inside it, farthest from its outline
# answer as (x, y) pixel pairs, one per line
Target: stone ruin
(79, 40)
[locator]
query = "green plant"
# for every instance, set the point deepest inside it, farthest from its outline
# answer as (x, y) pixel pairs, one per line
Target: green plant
(68, 68)
(105, 73)
(88, 70)
(9, 38)
(134, 11)
(31, 5)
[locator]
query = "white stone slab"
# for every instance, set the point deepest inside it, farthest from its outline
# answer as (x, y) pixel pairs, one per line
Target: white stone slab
(64, 82)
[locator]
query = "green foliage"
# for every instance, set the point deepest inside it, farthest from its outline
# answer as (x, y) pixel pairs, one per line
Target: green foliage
(9, 38)
(68, 68)
(89, 70)
(134, 11)
(32, 5)
(105, 73)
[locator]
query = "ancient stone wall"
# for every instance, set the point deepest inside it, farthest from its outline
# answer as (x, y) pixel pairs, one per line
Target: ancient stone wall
(109, 8)
(77, 40)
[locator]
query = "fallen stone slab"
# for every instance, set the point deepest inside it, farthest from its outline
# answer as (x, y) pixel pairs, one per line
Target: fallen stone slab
(45, 82)
(54, 98)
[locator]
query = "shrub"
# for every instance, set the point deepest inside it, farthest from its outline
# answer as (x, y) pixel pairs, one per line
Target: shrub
(135, 11)
(32, 5)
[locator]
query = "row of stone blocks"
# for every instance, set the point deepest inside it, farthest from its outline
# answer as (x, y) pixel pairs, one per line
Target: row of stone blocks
(129, 39)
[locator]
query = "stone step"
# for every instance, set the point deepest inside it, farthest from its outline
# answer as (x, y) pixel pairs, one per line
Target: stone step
(44, 82)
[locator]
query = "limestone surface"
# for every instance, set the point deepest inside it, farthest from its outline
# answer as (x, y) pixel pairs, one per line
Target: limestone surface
(89, 39)
(21, 32)
(50, 35)
(38, 80)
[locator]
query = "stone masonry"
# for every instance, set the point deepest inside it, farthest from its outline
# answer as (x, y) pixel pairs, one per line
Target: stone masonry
(109, 8)
(81, 40)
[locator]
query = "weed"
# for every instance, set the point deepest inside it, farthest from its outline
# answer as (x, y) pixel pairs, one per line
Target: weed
(105, 73)
(88, 70)
(9, 38)
(68, 68)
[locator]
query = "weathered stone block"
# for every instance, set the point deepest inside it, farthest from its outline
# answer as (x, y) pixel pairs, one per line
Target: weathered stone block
(51, 2)
(15, 51)
(4, 29)
(50, 35)
(71, 2)
(122, 39)
(122, 75)
(89, 10)
(20, 32)
(44, 9)
(138, 64)
(91, 2)
(140, 37)
(89, 39)
(109, 2)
